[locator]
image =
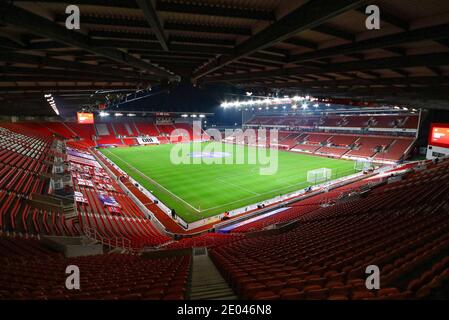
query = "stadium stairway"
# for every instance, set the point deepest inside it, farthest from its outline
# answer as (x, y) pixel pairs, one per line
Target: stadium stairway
(206, 282)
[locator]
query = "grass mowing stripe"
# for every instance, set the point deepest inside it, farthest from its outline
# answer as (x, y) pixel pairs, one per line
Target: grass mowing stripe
(151, 180)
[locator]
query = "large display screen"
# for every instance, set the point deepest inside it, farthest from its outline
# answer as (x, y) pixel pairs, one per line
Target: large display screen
(439, 135)
(85, 117)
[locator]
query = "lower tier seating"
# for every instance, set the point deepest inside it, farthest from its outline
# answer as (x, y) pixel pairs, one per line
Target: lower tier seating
(325, 256)
(31, 271)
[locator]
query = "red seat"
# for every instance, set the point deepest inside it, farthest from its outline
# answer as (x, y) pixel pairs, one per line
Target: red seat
(320, 294)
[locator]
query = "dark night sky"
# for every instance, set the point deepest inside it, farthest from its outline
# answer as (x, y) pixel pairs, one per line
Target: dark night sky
(187, 98)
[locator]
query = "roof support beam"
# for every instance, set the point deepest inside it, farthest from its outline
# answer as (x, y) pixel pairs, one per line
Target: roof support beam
(243, 31)
(65, 89)
(43, 61)
(109, 21)
(267, 58)
(50, 74)
(102, 3)
(369, 82)
(401, 72)
(214, 10)
(437, 59)
(61, 78)
(390, 18)
(444, 42)
(437, 71)
(153, 20)
(396, 50)
(309, 15)
(335, 32)
(423, 34)
(211, 49)
(38, 25)
(175, 26)
(139, 45)
(302, 43)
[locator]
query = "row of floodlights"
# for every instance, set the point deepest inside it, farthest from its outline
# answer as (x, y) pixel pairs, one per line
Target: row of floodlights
(405, 108)
(303, 106)
(120, 114)
(51, 102)
(116, 114)
(193, 116)
(270, 101)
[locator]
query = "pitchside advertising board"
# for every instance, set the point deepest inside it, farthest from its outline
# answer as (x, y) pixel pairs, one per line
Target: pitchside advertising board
(438, 141)
(85, 117)
(148, 140)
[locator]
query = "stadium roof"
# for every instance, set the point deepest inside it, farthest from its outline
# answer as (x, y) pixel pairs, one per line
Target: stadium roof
(321, 47)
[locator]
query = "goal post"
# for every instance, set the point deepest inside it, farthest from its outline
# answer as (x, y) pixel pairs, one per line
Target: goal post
(319, 175)
(363, 165)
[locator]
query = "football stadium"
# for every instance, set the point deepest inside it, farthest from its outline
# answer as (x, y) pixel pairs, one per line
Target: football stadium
(224, 150)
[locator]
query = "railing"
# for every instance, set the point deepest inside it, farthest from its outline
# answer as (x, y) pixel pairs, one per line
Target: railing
(111, 243)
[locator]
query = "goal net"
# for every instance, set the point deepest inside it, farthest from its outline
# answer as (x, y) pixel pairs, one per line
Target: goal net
(319, 175)
(363, 165)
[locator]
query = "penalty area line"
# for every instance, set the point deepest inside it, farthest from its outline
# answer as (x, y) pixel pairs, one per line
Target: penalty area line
(152, 181)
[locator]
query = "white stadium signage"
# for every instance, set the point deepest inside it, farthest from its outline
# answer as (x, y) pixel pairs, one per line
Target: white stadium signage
(148, 140)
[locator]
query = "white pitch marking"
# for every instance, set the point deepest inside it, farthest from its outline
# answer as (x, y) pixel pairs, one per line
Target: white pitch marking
(237, 186)
(152, 181)
(215, 207)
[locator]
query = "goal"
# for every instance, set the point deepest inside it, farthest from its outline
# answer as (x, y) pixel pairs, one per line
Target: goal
(319, 175)
(363, 165)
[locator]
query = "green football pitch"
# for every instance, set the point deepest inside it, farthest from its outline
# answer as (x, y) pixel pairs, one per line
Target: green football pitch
(197, 191)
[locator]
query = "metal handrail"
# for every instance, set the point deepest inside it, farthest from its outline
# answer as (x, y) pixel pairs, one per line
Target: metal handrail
(115, 242)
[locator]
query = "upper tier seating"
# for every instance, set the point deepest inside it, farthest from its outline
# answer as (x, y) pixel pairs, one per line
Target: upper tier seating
(166, 129)
(126, 129)
(356, 121)
(412, 122)
(387, 121)
(349, 121)
(339, 145)
(148, 129)
(331, 121)
(193, 136)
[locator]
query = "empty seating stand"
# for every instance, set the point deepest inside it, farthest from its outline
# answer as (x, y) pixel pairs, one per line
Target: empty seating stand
(23, 160)
(408, 240)
(31, 271)
(130, 223)
(338, 121)
(148, 129)
(396, 150)
(367, 147)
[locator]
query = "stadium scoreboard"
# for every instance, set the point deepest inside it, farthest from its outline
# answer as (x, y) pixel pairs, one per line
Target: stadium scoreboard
(85, 117)
(438, 141)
